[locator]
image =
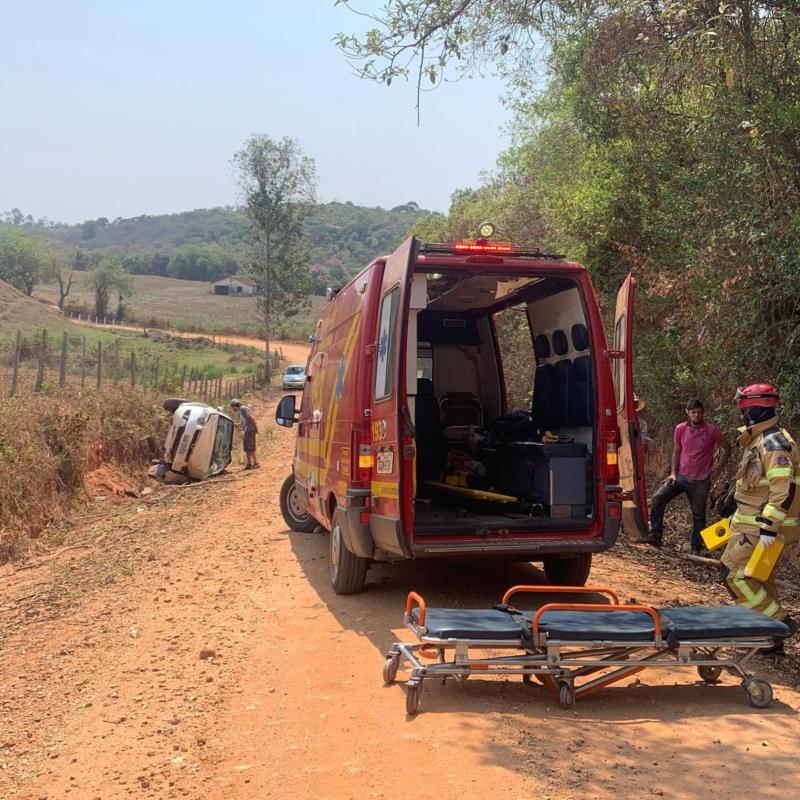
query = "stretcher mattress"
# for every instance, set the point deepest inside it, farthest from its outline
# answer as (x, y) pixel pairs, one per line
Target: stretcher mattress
(688, 623)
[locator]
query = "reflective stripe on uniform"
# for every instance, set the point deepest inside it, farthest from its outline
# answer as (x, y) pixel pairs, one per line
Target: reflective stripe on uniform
(790, 522)
(778, 514)
(742, 585)
(760, 597)
(779, 472)
(771, 609)
(745, 519)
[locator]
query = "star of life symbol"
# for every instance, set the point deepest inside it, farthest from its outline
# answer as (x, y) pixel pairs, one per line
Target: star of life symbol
(383, 345)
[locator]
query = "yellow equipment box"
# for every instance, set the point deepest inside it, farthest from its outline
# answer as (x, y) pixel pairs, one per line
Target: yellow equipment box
(762, 561)
(717, 534)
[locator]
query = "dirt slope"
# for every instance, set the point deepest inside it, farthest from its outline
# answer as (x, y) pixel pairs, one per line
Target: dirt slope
(193, 648)
(19, 311)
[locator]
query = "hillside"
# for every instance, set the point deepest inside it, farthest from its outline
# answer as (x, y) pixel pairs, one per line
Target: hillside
(17, 311)
(206, 244)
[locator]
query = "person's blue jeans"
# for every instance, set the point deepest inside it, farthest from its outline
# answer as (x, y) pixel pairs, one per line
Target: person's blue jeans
(697, 494)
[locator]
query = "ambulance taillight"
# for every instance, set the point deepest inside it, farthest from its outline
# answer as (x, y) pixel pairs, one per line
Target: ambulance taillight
(360, 457)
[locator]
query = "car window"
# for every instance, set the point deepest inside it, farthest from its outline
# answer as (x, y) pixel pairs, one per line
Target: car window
(295, 370)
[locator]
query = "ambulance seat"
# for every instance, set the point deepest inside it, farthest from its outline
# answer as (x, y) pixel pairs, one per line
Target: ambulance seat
(543, 395)
(581, 393)
(428, 427)
(561, 392)
(460, 409)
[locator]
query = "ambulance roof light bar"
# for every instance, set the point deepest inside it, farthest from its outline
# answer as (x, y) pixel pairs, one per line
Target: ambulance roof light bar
(482, 246)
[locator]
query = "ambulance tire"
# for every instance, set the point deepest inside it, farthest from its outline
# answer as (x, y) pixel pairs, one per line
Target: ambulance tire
(348, 572)
(298, 520)
(568, 570)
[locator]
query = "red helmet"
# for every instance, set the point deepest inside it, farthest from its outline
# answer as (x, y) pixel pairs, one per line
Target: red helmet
(757, 394)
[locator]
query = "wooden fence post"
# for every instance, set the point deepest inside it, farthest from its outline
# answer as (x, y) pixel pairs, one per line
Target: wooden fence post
(99, 363)
(133, 370)
(15, 371)
(144, 373)
(155, 374)
(183, 377)
(115, 364)
(62, 372)
(40, 368)
(83, 362)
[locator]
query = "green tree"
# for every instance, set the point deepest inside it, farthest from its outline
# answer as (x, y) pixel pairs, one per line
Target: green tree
(278, 185)
(20, 259)
(105, 279)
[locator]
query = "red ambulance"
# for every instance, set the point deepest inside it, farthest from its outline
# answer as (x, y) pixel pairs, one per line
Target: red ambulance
(407, 446)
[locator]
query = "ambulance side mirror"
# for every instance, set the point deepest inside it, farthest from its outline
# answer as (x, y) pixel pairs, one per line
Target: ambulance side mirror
(285, 414)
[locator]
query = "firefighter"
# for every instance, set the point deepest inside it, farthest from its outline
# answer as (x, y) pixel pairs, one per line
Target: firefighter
(767, 500)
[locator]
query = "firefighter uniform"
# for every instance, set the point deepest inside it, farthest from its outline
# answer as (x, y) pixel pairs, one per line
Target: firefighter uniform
(767, 501)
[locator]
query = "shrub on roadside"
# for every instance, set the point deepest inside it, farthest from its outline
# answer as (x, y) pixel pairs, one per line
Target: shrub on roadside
(47, 445)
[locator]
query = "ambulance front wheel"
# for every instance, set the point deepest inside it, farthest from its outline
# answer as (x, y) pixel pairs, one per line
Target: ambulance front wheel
(294, 515)
(568, 570)
(348, 571)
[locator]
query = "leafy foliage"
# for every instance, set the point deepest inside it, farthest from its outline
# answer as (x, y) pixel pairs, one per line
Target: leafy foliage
(666, 141)
(278, 184)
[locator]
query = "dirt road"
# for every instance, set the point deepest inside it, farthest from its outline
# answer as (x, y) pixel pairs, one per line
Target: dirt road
(294, 352)
(192, 647)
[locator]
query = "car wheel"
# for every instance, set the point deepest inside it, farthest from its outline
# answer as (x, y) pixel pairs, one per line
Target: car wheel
(568, 570)
(294, 515)
(348, 571)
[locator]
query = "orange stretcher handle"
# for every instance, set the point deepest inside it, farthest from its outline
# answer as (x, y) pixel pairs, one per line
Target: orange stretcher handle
(595, 607)
(412, 596)
(563, 590)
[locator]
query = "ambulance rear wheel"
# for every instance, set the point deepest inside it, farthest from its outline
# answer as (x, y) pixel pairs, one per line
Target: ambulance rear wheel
(568, 570)
(294, 515)
(348, 571)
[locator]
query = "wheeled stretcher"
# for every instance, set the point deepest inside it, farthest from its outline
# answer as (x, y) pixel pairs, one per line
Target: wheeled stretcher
(575, 649)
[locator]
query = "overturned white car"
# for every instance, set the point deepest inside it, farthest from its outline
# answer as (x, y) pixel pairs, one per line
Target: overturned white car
(198, 444)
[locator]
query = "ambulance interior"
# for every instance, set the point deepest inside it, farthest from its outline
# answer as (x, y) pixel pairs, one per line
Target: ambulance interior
(504, 423)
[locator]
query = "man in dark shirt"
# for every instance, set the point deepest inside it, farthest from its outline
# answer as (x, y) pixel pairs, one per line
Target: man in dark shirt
(249, 430)
(692, 472)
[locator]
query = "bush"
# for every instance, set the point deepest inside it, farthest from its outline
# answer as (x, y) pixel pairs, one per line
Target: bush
(47, 445)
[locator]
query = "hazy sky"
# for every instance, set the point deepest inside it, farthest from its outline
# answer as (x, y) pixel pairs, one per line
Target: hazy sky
(122, 108)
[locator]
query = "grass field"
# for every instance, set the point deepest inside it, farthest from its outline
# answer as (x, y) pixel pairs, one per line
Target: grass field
(190, 305)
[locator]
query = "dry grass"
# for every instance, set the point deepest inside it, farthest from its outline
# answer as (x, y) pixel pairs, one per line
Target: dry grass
(190, 305)
(47, 445)
(20, 312)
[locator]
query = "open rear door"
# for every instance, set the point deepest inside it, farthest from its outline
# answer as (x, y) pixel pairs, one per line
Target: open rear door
(631, 454)
(392, 428)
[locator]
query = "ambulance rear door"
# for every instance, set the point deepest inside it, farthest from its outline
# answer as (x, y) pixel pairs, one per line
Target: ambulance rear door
(631, 453)
(392, 428)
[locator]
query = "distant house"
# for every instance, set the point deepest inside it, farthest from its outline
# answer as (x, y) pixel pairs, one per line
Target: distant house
(238, 285)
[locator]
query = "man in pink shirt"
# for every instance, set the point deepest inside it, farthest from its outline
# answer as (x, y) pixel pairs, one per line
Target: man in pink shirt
(692, 472)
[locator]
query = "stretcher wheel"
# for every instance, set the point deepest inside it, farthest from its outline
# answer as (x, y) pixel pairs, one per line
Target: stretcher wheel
(759, 692)
(709, 674)
(413, 695)
(390, 667)
(566, 695)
